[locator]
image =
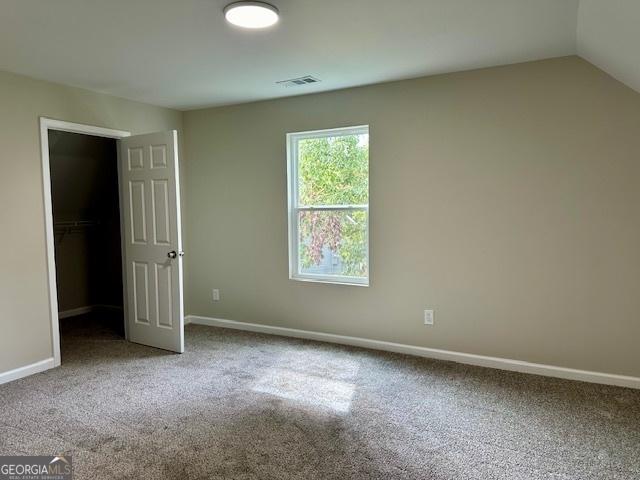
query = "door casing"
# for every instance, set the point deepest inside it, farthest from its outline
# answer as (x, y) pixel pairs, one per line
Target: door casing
(47, 124)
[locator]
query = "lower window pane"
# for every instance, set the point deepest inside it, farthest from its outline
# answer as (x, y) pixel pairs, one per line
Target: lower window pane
(333, 242)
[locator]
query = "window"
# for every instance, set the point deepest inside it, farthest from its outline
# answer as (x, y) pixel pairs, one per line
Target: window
(328, 173)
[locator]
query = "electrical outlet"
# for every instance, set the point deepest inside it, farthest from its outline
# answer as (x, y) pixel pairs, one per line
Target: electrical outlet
(215, 295)
(428, 317)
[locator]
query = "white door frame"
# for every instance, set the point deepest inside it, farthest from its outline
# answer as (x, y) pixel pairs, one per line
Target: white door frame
(47, 124)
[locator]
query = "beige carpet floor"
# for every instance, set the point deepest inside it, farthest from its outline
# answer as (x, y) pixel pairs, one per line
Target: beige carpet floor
(247, 406)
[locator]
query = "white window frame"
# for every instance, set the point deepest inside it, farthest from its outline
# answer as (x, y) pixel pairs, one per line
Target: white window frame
(293, 140)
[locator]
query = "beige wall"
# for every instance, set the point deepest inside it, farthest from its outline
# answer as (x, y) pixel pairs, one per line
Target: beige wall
(505, 198)
(25, 335)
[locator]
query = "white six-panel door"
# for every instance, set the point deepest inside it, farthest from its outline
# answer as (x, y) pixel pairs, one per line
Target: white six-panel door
(152, 243)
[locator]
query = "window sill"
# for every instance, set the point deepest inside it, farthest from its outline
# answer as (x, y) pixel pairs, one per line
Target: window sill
(331, 281)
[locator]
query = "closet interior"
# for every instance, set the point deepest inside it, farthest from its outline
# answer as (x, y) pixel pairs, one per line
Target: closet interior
(86, 217)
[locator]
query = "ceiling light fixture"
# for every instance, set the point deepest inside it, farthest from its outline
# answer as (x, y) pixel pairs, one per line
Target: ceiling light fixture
(251, 14)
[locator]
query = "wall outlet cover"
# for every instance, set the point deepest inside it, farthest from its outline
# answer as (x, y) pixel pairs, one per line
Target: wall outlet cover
(428, 317)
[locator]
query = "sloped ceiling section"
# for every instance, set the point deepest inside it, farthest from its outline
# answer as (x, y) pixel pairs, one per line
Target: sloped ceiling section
(609, 37)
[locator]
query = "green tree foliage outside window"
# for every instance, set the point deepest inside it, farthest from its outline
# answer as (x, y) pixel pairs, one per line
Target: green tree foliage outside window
(334, 171)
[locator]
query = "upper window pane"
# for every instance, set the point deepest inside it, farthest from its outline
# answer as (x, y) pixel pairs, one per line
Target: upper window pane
(334, 170)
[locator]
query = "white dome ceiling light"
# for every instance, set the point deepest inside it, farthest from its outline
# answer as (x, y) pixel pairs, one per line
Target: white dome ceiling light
(251, 14)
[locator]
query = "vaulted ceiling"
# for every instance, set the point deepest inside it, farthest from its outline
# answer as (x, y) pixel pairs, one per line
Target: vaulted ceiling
(183, 54)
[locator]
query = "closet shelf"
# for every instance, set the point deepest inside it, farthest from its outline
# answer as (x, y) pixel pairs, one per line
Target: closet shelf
(62, 229)
(76, 224)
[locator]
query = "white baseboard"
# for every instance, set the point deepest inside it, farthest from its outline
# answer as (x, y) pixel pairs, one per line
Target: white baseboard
(466, 358)
(74, 312)
(27, 370)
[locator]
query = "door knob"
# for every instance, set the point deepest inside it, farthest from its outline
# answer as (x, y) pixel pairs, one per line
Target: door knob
(172, 254)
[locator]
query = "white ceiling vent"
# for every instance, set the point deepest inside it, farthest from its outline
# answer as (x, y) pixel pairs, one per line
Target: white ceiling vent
(296, 82)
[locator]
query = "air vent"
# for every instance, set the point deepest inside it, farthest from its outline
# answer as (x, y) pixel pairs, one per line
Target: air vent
(296, 82)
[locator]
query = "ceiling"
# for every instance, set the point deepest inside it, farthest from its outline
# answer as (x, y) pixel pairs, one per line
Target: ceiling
(182, 54)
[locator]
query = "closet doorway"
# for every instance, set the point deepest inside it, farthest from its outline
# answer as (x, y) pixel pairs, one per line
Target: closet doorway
(86, 226)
